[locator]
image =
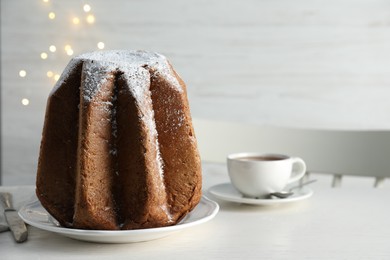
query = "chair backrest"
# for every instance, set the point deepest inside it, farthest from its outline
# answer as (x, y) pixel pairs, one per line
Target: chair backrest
(339, 152)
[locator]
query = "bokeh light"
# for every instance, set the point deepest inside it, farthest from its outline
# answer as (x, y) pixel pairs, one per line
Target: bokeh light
(43, 55)
(101, 45)
(90, 19)
(22, 73)
(52, 15)
(25, 102)
(52, 48)
(76, 20)
(87, 8)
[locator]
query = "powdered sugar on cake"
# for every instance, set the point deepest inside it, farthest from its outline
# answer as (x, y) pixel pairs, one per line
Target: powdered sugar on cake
(131, 60)
(122, 60)
(94, 75)
(139, 82)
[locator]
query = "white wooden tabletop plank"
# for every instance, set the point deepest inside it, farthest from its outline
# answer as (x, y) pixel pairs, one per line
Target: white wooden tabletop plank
(335, 223)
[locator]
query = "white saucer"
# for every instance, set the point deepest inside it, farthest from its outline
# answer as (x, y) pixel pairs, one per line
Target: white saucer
(227, 192)
(34, 214)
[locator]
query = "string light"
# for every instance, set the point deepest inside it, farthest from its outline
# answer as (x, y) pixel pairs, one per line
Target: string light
(43, 55)
(76, 20)
(52, 15)
(100, 45)
(87, 8)
(22, 73)
(52, 48)
(68, 50)
(90, 19)
(25, 102)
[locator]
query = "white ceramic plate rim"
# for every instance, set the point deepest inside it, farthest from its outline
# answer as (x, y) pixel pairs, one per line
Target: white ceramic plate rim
(225, 191)
(34, 214)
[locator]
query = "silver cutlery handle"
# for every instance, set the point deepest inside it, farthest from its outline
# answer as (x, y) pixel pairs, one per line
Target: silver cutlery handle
(6, 199)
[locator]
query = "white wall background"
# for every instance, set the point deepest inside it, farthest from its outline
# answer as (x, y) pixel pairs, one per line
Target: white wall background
(280, 62)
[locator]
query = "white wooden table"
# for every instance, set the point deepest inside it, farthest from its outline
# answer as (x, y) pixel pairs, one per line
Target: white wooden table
(344, 223)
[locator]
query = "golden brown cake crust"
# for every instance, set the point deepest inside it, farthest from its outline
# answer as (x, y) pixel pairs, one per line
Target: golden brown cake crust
(181, 160)
(58, 152)
(94, 179)
(130, 159)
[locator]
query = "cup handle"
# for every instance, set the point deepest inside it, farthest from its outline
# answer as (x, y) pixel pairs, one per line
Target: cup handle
(300, 172)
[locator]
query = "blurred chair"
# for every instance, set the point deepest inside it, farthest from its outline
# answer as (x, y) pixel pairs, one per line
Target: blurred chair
(337, 152)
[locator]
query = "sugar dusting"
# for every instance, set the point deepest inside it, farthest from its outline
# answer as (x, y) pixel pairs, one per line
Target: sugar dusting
(139, 83)
(94, 75)
(123, 60)
(131, 60)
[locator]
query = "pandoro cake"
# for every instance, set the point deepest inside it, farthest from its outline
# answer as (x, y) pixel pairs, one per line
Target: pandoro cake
(118, 148)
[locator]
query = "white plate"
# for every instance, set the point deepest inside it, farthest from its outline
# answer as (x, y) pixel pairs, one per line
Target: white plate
(227, 192)
(34, 214)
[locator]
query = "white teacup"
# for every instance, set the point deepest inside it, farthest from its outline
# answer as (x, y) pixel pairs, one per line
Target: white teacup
(257, 175)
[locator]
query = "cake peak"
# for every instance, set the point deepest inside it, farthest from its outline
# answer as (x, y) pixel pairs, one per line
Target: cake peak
(124, 61)
(131, 57)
